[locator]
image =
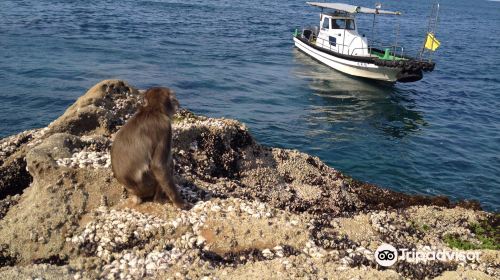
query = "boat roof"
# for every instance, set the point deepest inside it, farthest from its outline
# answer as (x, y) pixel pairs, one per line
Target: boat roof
(351, 8)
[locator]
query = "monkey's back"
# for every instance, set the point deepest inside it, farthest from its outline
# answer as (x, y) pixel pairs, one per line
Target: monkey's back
(135, 144)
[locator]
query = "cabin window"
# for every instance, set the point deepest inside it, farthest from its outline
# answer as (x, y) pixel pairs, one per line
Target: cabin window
(333, 41)
(350, 24)
(337, 23)
(326, 23)
(341, 23)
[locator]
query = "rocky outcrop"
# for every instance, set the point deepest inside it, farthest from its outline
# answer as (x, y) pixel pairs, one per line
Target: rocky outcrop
(258, 212)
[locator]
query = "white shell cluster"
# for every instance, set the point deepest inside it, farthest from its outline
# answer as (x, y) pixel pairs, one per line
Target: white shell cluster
(87, 159)
(11, 144)
(275, 252)
(6, 149)
(124, 105)
(202, 123)
(312, 250)
(380, 221)
(113, 230)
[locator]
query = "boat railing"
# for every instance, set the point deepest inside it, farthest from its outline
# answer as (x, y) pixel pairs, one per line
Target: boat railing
(394, 51)
(329, 46)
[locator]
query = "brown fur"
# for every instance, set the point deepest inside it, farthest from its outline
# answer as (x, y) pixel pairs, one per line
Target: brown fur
(141, 155)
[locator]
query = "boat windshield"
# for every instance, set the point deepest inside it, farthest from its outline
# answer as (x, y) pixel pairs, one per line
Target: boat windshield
(341, 23)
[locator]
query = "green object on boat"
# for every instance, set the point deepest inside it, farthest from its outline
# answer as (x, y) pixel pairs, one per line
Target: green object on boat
(296, 33)
(387, 54)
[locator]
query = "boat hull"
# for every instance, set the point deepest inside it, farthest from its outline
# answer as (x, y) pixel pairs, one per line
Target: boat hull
(354, 68)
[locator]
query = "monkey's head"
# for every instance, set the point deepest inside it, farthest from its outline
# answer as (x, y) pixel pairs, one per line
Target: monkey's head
(162, 99)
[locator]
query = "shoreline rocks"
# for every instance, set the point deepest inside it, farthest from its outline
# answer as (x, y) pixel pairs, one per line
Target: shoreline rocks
(258, 212)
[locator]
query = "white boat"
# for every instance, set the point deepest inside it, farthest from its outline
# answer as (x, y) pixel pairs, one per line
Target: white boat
(337, 43)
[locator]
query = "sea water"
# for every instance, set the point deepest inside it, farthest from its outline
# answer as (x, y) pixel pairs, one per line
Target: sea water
(236, 59)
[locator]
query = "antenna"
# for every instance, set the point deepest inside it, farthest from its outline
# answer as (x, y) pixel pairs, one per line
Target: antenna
(397, 39)
(431, 28)
(378, 6)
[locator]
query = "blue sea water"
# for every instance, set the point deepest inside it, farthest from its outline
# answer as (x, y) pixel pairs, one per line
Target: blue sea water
(236, 59)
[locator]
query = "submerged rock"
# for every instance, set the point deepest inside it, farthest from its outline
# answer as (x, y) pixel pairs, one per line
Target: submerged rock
(258, 212)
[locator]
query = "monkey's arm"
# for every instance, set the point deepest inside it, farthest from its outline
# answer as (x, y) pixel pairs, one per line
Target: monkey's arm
(163, 171)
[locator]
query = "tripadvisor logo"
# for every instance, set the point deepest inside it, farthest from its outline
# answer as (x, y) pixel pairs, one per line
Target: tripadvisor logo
(386, 255)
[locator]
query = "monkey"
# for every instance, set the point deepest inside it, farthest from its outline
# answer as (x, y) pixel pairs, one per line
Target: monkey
(141, 153)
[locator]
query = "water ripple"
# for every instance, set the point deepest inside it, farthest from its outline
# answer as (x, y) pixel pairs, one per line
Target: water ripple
(235, 59)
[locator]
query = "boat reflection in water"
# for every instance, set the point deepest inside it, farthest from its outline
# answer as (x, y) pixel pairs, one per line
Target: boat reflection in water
(343, 107)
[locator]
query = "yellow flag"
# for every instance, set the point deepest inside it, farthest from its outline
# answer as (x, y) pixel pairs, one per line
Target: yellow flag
(431, 43)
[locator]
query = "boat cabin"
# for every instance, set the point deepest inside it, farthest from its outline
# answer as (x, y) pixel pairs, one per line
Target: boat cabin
(338, 32)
